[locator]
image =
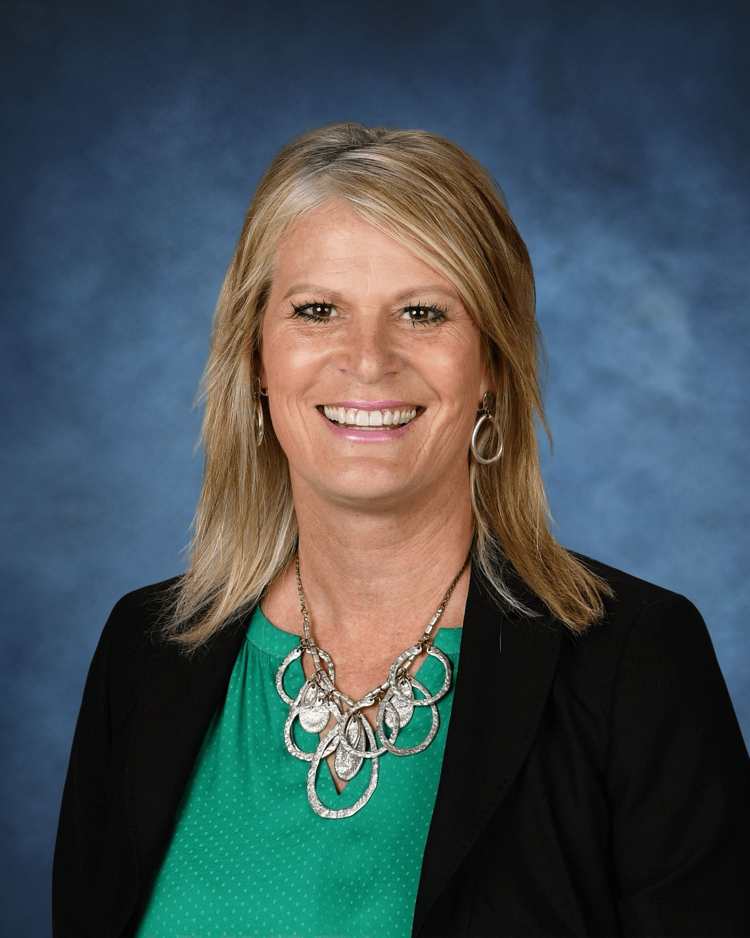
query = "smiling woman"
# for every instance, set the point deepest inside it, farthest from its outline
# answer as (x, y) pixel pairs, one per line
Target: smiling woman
(383, 700)
(381, 324)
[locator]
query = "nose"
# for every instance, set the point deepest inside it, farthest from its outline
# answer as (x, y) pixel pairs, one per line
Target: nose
(369, 351)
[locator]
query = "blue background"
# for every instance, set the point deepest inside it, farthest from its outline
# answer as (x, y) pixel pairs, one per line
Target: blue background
(133, 136)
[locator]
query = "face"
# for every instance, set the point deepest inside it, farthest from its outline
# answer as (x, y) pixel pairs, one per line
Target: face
(373, 365)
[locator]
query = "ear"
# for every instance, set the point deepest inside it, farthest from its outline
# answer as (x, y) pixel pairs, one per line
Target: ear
(485, 385)
(255, 361)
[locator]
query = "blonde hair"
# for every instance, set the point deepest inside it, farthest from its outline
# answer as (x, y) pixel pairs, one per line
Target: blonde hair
(429, 194)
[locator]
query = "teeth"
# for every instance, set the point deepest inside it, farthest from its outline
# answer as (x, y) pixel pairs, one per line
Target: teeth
(369, 418)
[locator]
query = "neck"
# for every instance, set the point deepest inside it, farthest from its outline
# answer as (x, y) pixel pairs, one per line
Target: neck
(382, 571)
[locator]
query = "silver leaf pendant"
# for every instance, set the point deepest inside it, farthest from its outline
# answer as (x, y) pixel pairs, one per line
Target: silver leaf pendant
(313, 711)
(346, 763)
(401, 705)
(392, 716)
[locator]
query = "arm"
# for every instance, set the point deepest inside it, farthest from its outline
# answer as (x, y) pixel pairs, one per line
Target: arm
(679, 780)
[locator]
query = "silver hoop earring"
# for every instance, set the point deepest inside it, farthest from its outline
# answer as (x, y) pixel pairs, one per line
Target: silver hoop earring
(259, 392)
(259, 421)
(475, 435)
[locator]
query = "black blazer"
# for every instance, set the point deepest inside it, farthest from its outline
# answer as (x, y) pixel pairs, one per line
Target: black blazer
(591, 785)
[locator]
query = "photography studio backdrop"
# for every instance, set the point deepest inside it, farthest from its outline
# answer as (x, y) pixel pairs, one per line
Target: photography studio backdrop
(133, 136)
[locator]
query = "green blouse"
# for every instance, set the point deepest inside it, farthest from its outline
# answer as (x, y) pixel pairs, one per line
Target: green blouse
(249, 857)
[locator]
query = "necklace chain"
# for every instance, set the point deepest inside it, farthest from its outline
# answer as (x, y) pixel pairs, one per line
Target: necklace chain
(352, 738)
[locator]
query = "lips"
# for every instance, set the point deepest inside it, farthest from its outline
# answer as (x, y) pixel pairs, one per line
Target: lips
(366, 418)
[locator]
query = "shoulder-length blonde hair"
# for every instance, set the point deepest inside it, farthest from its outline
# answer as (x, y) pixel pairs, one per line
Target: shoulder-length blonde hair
(431, 196)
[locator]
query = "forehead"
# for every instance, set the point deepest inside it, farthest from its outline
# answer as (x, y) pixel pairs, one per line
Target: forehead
(334, 241)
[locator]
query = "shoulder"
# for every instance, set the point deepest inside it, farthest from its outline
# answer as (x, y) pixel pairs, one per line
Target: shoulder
(649, 636)
(627, 587)
(637, 604)
(134, 640)
(141, 613)
(662, 648)
(132, 633)
(147, 603)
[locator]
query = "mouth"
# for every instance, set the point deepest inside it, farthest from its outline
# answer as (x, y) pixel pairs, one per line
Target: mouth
(383, 419)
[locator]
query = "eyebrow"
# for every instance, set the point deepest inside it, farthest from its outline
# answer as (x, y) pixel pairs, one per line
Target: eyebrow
(398, 298)
(310, 288)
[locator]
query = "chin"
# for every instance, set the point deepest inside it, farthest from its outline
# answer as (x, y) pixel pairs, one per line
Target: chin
(363, 485)
(368, 493)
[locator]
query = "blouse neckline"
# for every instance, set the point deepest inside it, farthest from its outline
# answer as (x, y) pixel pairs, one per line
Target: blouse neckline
(268, 638)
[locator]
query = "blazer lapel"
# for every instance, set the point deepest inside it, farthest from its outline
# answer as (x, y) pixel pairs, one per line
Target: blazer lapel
(498, 703)
(174, 713)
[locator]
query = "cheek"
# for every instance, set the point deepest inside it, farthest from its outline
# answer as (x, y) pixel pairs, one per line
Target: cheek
(289, 423)
(290, 368)
(286, 363)
(292, 342)
(459, 373)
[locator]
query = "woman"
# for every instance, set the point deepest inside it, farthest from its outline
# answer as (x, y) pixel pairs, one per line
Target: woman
(383, 700)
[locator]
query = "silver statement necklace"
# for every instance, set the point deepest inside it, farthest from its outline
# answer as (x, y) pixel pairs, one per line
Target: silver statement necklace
(353, 738)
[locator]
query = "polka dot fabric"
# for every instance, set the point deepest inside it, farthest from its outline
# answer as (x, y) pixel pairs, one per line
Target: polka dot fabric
(249, 857)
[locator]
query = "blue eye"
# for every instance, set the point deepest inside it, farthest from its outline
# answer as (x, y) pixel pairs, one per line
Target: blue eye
(424, 314)
(314, 312)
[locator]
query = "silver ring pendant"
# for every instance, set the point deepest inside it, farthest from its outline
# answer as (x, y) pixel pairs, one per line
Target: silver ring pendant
(389, 742)
(294, 713)
(313, 714)
(292, 656)
(428, 699)
(326, 747)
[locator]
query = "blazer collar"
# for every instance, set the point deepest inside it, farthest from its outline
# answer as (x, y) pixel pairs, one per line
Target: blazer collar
(500, 694)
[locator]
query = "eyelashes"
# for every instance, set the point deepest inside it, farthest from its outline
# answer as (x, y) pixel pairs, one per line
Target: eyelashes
(418, 314)
(313, 312)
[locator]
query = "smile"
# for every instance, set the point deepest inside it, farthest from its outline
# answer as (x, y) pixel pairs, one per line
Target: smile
(369, 419)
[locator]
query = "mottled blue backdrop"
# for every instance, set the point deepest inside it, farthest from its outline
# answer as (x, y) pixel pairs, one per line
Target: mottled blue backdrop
(133, 135)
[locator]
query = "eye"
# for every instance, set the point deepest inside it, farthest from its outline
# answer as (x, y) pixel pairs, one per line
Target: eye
(315, 312)
(424, 314)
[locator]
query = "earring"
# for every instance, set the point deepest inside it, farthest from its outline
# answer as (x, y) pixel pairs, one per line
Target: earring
(259, 420)
(475, 435)
(259, 413)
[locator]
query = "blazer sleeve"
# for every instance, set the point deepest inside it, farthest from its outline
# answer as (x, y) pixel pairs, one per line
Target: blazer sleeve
(679, 780)
(83, 811)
